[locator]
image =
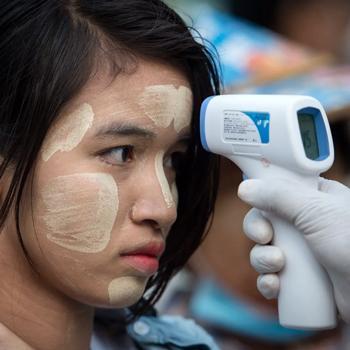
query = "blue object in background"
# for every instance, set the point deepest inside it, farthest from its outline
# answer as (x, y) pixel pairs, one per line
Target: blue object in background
(245, 49)
(329, 85)
(211, 304)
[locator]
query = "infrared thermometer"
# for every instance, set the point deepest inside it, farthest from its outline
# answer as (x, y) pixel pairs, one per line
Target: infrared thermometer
(282, 137)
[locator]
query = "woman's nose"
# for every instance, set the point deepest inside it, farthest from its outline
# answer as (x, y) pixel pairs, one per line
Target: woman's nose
(157, 200)
(155, 213)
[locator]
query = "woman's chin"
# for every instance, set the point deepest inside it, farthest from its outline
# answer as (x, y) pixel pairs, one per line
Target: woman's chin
(122, 292)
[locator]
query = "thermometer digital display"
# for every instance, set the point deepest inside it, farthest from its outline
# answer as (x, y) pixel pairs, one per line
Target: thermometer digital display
(308, 135)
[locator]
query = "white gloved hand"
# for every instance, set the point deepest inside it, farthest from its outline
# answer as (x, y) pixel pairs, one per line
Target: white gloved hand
(323, 215)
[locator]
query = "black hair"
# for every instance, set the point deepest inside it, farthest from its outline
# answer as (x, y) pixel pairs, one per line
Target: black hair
(48, 51)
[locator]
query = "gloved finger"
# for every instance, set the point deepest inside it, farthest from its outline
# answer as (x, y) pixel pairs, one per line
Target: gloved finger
(267, 259)
(257, 227)
(283, 197)
(333, 187)
(268, 285)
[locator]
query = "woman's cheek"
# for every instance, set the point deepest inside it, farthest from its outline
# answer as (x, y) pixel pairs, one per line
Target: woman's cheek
(78, 211)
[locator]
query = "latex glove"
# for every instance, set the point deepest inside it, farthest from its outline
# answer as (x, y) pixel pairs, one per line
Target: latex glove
(10, 341)
(323, 215)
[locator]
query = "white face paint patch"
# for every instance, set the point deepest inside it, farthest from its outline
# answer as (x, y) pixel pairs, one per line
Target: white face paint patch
(175, 193)
(166, 103)
(69, 131)
(163, 181)
(125, 291)
(80, 210)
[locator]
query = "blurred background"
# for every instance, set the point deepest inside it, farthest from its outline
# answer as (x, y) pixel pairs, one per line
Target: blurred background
(280, 47)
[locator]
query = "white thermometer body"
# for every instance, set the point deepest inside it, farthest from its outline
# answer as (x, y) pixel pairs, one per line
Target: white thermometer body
(280, 136)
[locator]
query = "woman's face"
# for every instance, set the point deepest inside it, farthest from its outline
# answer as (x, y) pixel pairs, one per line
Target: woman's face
(103, 196)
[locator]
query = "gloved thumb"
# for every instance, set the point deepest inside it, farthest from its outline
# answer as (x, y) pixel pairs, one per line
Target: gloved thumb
(284, 198)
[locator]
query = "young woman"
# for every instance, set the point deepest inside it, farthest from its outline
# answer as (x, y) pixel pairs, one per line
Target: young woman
(105, 190)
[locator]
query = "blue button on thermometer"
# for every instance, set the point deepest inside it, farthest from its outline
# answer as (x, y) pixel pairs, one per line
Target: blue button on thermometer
(280, 136)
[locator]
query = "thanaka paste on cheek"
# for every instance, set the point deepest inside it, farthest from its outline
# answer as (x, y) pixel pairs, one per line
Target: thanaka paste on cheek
(163, 181)
(69, 131)
(80, 210)
(166, 103)
(125, 291)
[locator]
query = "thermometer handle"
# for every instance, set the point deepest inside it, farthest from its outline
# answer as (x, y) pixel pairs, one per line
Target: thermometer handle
(306, 298)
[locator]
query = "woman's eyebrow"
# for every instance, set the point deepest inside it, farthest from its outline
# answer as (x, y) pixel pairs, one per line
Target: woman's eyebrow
(123, 129)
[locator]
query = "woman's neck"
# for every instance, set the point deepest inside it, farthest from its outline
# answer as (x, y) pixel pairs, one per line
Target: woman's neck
(41, 316)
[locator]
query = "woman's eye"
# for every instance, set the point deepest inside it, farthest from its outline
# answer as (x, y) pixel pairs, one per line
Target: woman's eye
(118, 155)
(175, 161)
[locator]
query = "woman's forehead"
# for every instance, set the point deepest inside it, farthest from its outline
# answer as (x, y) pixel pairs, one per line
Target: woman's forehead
(122, 94)
(129, 83)
(153, 97)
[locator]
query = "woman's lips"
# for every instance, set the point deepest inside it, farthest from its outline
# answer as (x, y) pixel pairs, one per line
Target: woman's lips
(144, 263)
(144, 258)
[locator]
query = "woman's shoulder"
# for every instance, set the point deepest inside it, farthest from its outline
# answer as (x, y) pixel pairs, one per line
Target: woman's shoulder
(151, 333)
(170, 332)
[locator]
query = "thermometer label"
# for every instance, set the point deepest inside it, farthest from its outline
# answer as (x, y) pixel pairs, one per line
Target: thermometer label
(246, 127)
